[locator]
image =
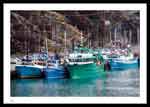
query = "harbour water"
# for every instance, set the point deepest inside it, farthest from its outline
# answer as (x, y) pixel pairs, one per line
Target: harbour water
(116, 83)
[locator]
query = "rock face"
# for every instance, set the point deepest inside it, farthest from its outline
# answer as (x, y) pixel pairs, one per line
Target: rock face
(29, 29)
(63, 29)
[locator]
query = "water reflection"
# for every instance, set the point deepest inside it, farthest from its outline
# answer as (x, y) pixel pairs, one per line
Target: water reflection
(115, 83)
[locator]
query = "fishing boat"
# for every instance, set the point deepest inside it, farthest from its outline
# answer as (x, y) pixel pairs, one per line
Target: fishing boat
(53, 68)
(120, 56)
(121, 59)
(29, 71)
(124, 62)
(82, 63)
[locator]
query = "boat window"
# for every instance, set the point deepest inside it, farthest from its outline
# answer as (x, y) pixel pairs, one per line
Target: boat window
(81, 60)
(79, 56)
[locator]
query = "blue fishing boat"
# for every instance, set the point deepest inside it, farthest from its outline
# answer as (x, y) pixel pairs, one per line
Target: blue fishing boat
(54, 70)
(29, 71)
(119, 61)
(31, 67)
(123, 64)
(120, 56)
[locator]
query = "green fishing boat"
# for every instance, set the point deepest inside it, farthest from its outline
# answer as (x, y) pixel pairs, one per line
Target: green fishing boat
(85, 63)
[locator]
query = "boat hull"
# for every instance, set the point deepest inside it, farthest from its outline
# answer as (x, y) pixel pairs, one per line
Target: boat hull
(54, 73)
(85, 70)
(124, 64)
(25, 71)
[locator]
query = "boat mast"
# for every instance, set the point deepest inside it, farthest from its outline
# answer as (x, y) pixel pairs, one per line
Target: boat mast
(27, 42)
(115, 33)
(46, 51)
(65, 39)
(81, 39)
(65, 35)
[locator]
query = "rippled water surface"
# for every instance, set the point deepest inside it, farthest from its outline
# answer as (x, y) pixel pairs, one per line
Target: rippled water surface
(116, 83)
